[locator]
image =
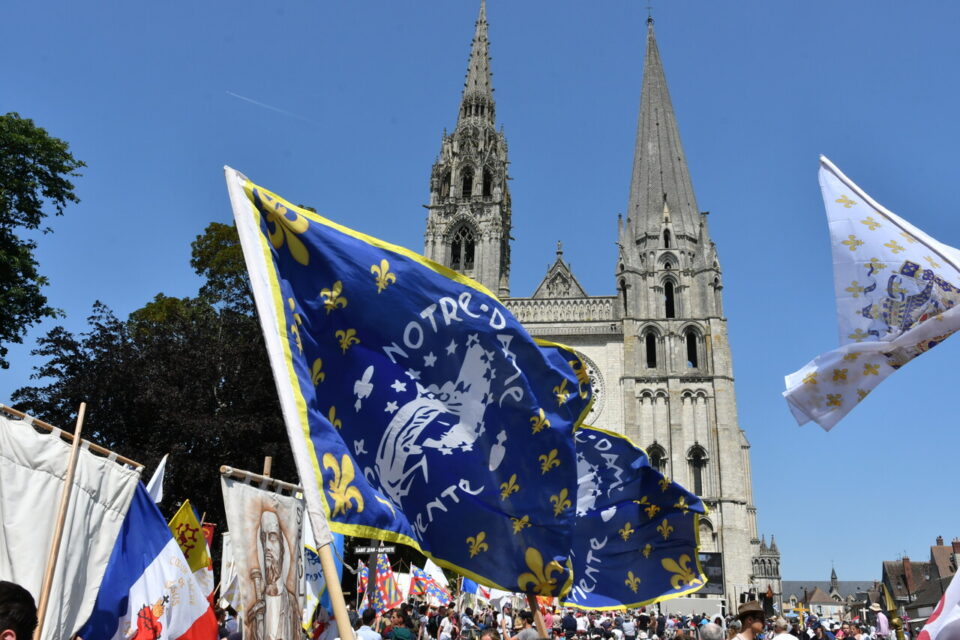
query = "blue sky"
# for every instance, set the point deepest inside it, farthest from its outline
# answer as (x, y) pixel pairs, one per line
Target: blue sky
(358, 94)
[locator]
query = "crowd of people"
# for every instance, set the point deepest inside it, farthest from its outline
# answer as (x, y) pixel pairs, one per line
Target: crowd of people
(426, 622)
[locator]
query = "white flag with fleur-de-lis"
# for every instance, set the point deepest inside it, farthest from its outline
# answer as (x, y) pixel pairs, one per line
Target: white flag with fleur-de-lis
(897, 291)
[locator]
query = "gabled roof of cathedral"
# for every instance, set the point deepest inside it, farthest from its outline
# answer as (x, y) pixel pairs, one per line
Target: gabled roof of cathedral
(559, 281)
(661, 184)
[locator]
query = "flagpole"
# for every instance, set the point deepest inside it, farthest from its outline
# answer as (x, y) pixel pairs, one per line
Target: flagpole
(537, 616)
(44, 600)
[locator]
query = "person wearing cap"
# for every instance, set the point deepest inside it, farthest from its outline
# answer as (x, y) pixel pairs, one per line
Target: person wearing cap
(883, 625)
(750, 615)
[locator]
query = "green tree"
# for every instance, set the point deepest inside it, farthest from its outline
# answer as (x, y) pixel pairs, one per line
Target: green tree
(35, 172)
(185, 376)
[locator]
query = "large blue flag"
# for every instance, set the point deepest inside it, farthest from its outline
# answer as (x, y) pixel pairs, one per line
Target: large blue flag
(635, 538)
(418, 409)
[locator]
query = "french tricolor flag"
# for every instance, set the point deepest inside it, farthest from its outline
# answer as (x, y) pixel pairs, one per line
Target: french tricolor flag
(148, 591)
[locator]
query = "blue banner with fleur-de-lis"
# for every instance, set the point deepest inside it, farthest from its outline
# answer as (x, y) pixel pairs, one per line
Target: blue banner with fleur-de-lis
(635, 537)
(418, 409)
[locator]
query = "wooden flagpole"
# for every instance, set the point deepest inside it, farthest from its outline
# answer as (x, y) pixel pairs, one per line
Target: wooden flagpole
(537, 616)
(47, 584)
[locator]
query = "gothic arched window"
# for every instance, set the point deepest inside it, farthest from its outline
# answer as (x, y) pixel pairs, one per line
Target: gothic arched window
(669, 305)
(697, 459)
(650, 344)
(467, 185)
(717, 303)
(487, 183)
(666, 238)
(623, 292)
(690, 337)
(462, 249)
(658, 457)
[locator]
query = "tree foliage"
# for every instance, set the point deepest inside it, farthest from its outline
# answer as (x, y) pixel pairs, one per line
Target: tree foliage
(185, 376)
(35, 172)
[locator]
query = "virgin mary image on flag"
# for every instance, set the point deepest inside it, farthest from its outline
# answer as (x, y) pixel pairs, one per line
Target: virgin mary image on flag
(265, 535)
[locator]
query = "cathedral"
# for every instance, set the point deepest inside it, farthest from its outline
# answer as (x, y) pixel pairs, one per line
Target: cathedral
(657, 350)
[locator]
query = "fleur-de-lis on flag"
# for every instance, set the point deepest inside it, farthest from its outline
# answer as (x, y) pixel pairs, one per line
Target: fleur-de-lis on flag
(560, 502)
(340, 489)
(649, 507)
(384, 277)
(626, 531)
(520, 523)
(509, 487)
(539, 422)
(548, 461)
(477, 544)
(665, 529)
(647, 550)
(541, 579)
(332, 298)
(682, 505)
(664, 483)
(632, 581)
(334, 420)
(683, 573)
(561, 392)
(347, 339)
(583, 376)
(284, 228)
(295, 326)
(316, 372)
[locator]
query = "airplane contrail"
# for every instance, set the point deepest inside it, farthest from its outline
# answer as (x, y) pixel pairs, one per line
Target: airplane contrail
(272, 108)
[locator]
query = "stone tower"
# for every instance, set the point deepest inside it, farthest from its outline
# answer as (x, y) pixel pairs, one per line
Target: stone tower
(678, 393)
(468, 224)
(656, 350)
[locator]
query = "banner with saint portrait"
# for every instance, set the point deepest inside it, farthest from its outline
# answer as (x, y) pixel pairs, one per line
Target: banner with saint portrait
(265, 535)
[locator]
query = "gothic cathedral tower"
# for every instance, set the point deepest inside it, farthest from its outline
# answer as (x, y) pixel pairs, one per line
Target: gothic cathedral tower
(679, 400)
(657, 350)
(468, 224)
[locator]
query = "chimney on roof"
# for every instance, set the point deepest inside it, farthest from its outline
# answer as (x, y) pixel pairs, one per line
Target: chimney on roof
(939, 541)
(908, 574)
(956, 545)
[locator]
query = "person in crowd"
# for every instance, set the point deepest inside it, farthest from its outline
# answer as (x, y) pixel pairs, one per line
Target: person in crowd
(629, 628)
(568, 624)
(548, 621)
(401, 627)
(781, 630)
(733, 629)
(449, 629)
(750, 614)
(468, 628)
(489, 634)
(368, 620)
(711, 631)
(18, 612)
(505, 621)
(527, 632)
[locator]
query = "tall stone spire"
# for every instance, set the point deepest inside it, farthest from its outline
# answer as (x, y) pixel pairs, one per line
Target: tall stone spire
(660, 188)
(477, 100)
(469, 219)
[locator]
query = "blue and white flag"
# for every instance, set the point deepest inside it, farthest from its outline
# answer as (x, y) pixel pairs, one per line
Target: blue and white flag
(413, 399)
(897, 291)
(315, 585)
(148, 590)
(635, 537)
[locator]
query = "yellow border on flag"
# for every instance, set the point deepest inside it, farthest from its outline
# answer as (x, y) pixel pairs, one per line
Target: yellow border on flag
(365, 531)
(696, 528)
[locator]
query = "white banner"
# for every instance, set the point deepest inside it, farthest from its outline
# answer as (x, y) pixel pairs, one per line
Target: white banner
(32, 471)
(898, 295)
(267, 554)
